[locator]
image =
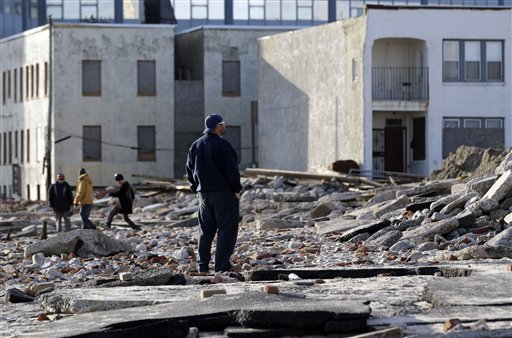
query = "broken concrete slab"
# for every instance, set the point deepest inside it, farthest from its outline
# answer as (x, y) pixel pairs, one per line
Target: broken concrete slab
(339, 225)
(501, 188)
(427, 231)
(370, 228)
(160, 276)
(488, 289)
(81, 242)
(251, 309)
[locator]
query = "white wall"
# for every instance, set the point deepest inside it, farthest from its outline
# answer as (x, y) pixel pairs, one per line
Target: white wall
(446, 99)
(30, 48)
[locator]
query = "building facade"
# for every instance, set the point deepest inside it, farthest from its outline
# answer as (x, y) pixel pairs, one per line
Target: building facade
(94, 96)
(388, 93)
(216, 72)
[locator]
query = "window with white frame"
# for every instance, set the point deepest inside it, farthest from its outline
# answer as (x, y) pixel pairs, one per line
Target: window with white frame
(451, 123)
(494, 123)
(473, 61)
(471, 123)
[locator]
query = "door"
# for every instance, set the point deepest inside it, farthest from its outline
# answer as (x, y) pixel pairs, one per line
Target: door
(394, 142)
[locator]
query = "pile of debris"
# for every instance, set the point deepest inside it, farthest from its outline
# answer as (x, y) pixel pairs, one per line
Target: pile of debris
(292, 225)
(469, 161)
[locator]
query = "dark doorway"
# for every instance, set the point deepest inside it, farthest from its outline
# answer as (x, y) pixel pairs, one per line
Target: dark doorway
(394, 140)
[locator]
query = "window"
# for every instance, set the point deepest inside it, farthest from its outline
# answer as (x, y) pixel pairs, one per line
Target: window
(494, 60)
(9, 84)
(146, 78)
(4, 87)
(15, 85)
(471, 123)
(146, 143)
(91, 146)
(16, 144)
(10, 147)
(28, 145)
(91, 78)
(46, 79)
(494, 123)
(21, 84)
(32, 81)
(27, 82)
(418, 142)
(22, 150)
(37, 80)
(231, 78)
(5, 148)
(451, 60)
(473, 60)
(449, 123)
(472, 56)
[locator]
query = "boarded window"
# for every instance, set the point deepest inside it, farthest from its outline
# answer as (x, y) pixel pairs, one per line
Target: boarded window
(37, 80)
(27, 82)
(231, 78)
(46, 78)
(22, 150)
(91, 78)
(32, 81)
(4, 87)
(5, 147)
(16, 144)
(146, 143)
(21, 84)
(15, 86)
(91, 147)
(10, 147)
(146, 78)
(28, 145)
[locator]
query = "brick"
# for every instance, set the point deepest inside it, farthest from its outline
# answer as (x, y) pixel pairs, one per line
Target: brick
(126, 276)
(271, 289)
(212, 292)
(450, 323)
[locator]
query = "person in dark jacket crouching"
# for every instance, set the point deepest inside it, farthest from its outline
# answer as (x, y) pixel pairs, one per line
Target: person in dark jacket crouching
(61, 200)
(124, 206)
(212, 171)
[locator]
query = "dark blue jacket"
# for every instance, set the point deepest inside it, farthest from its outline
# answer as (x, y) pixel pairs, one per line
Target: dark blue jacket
(60, 197)
(212, 165)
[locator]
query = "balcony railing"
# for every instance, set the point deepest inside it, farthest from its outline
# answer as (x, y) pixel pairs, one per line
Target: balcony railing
(400, 83)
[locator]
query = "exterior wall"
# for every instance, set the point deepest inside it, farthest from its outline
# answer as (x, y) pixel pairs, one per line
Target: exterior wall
(445, 98)
(310, 106)
(214, 45)
(118, 110)
(189, 121)
(29, 49)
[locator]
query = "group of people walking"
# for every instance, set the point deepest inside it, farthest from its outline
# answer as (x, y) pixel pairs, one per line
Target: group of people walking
(212, 169)
(61, 201)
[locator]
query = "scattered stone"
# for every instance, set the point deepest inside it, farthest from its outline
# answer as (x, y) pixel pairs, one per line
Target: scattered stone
(126, 276)
(14, 295)
(271, 289)
(212, 292)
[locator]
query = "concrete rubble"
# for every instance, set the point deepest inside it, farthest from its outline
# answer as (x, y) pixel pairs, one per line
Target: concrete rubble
(334, 256)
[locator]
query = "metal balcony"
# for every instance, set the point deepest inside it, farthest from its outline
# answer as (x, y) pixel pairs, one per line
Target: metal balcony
(400, 83)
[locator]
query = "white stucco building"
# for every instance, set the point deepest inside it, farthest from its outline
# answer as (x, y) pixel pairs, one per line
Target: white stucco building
(107, 93)
(395, 89)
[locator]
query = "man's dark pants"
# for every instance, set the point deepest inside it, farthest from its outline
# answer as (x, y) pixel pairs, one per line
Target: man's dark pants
(219, 212)
(85, 211)
(117, 210)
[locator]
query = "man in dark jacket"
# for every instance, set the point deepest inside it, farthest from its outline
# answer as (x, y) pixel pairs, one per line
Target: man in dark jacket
(212, 171)
(125, 197)
(61, 200)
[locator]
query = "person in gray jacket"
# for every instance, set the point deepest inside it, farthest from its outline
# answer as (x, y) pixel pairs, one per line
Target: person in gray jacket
(60, 198)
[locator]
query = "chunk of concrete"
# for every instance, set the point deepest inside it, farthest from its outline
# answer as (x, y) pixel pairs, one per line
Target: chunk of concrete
(501, 188)
(82, 242)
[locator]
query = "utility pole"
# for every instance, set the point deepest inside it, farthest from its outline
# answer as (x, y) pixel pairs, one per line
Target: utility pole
(48, 155)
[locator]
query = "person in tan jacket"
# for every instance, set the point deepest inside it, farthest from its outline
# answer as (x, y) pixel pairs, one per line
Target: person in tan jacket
(83, 198)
